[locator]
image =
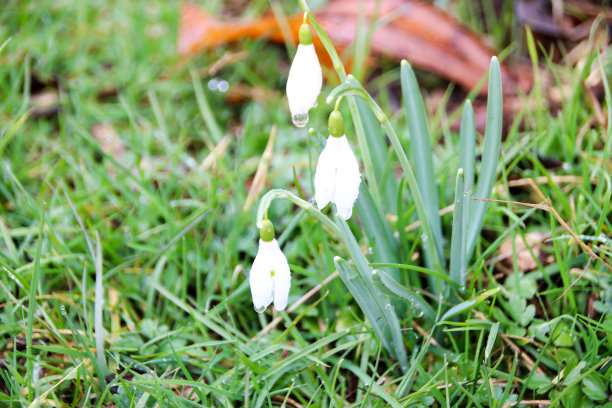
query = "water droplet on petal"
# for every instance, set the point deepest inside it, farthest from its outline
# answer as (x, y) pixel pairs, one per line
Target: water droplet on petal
(300, 119)
(260, 309)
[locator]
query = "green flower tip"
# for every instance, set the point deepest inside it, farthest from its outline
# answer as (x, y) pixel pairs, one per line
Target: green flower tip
(305, 34)
(460, 172)
(336, 124)
(266, 232)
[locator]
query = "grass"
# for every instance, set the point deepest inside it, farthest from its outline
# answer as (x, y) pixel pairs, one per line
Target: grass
(116, 185)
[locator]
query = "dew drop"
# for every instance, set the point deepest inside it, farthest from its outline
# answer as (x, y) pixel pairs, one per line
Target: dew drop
(300, 120)
(260, 309)
(213, 84)
(315, 104)
(223, 86)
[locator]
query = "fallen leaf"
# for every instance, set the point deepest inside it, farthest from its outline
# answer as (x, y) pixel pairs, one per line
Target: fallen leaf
(419, 32)
(525, 261)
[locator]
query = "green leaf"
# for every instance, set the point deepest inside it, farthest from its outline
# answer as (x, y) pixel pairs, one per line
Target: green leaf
(468, 304)
(595, 388)
(467, 145)
(491, 340)
(377, 229)
(490, 155)
(561, 335)
(378, 303)
(386, 327)
(574, 375)
(540, 383)
(458, 267)
(421, 152)
(385, 282)
(379, 152)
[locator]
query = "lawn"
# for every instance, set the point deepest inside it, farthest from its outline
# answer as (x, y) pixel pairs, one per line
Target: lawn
(133, 181)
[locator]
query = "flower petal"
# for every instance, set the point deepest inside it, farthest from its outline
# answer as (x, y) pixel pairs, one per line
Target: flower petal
(304, 81)
(347, 179)
(325, 174)
(282, 279)
(260, 279)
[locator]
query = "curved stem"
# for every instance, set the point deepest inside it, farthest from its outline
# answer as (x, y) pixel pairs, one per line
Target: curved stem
(271, 195)
(353, 87)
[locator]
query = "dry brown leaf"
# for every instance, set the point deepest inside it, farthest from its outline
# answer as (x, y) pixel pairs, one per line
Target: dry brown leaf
(109, 140)
(525, 261)
(416, 31)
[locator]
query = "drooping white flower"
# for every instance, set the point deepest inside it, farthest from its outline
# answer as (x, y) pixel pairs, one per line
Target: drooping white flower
(305, 79)
(270, 277)
(337, 175)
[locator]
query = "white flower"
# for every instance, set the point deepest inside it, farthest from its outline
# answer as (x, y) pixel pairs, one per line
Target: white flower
(305, 79)
(337, 176)
(270, 277)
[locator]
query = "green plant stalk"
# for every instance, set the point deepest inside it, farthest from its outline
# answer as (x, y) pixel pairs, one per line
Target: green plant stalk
(271, 195)
(353, 87)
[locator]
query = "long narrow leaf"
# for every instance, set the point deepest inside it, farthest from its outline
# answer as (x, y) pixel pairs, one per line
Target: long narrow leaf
(421, 150)
(490, 155)
(378, 304)
(457, 258)
(469, 304)
(377, 229)
(379, 151)
(388, 284)
(467, 146)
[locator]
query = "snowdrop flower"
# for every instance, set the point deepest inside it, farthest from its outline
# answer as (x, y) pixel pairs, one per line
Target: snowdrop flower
(337, 175)
(305, 79)
(270, 277)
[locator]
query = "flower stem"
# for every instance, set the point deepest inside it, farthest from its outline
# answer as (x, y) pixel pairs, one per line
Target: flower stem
(352, 87)
(271, 195)
(359, 130)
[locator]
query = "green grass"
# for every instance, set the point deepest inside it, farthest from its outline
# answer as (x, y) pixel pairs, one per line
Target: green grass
(175, 244)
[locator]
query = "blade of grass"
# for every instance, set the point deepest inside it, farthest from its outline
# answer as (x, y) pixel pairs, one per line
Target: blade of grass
(98, 310)
(209, 118)
(32, 306)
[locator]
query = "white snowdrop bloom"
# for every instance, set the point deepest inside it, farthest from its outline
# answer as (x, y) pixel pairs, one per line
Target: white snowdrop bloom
(270, 277)
(337, 175)
(305, 79)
